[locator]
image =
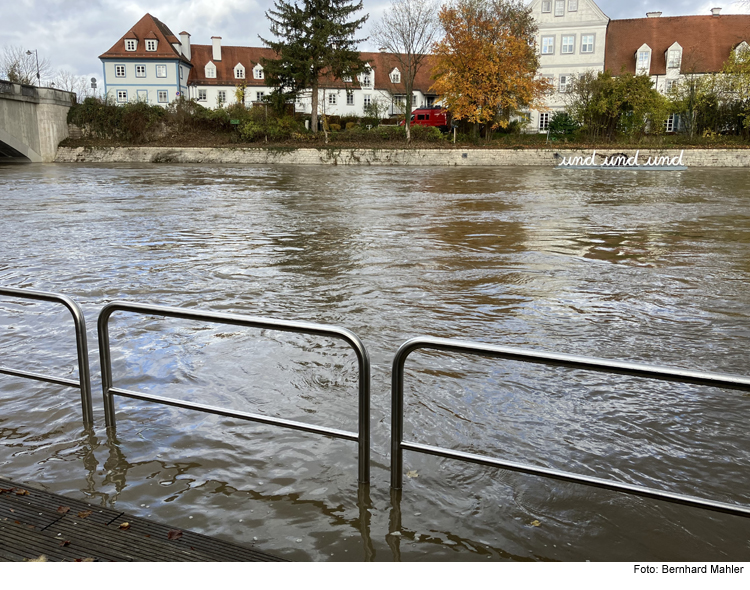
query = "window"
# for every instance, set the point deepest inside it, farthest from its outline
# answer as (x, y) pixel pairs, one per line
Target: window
(669, 84)
(150, 44)
(547, 6)
(673, 58)
(564, 83)
(332, 98)
(222, 96)
(550, 83)
(349, 98)
(161, 71)
(587, 43)
(548, 45)
(210, 71)
(180, 72)
(162, 96)
(202, 95)
(140, 71)
(568, 43)
(644, 61)
(259, 96)
(572, 5)
(120, 71)
(559, 7)
(122, 96)
(258, 73)
(347, 79)
(368, 100)
(543, 121)
(395, 76)
(671, 124)
(239, 72)
(131, 44)
(366, 80)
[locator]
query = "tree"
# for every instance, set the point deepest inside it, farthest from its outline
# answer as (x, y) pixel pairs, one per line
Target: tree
(408, 30)
(485, 66)
(736, 76)
(315, 41)
(17, 65)
(68, 81)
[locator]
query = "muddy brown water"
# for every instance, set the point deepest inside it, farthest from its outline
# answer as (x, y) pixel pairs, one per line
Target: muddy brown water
(639, 266)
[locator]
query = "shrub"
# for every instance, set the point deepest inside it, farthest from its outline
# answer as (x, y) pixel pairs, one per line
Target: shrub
(335, 127)
(350, 125)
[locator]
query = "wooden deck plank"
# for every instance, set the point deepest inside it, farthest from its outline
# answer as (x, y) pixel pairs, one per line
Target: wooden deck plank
(36, 522)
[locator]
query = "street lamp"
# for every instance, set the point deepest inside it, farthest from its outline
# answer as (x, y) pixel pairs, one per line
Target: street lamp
(38, 78)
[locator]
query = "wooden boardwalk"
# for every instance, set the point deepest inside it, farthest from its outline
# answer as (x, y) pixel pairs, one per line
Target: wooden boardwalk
(35, 523)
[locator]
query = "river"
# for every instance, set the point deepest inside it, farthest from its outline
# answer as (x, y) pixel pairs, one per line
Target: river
(638, 266)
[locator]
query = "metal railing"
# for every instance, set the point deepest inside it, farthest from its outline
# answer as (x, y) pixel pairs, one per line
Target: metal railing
(109, 391)
(84, 377)
(398, 445)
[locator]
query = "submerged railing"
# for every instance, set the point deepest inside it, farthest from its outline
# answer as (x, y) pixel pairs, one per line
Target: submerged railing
(84, 377)
(398, 445)
(109, 391)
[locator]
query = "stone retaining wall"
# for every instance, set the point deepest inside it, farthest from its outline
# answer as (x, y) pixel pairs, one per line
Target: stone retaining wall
(384, 157)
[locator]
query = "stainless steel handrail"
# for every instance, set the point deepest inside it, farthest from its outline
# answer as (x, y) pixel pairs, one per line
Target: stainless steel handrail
(363, 359)
(398, 445)
(84, 376)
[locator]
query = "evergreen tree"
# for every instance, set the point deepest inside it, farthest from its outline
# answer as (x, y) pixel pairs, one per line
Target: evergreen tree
(315, 40)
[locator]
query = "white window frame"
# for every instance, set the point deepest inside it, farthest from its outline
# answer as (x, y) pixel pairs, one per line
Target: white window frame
(259, 96)
(563, 83)
(367, 100)
(202, 95)
(584, 45)
(258, 72)
(122, 96)
(571, 46)
(331, 98)
(674, 58)
(559, 7)
(210, 70)
(544, 119)
(643, 62)
(546, 5)
(131, 44)
(239, 72)
(151, 44)
(162, 96)
(221, 97)
(161, 68)
(551, 47)
(551, 80)
(668, 84)
(140, 71)
(120, 71)
(349, 98)
(672, 123)
(572, 5)
(396, 76)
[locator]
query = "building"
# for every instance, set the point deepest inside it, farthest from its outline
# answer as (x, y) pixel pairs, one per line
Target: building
(571, 39)
(150, 64)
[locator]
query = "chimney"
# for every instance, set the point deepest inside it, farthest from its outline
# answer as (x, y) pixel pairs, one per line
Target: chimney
(653, 14)
(382, 49)
(216, 42)
(716, 11)
(185, 38)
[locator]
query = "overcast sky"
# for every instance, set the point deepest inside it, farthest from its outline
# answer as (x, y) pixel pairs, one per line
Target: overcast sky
(73, 33)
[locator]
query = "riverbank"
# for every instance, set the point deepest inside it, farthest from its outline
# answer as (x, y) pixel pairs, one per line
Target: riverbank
(734, 158)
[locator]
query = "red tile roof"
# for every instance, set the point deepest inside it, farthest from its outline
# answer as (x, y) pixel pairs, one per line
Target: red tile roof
(148, 27)
(706, 41)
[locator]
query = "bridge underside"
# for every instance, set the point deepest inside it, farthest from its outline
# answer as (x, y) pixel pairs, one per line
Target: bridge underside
(8, 153)
(11, 148)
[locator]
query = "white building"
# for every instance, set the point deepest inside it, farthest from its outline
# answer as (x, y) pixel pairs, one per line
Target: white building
(571, 40)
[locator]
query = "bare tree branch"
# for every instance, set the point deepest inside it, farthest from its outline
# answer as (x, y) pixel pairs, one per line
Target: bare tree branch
(18, 66)
(408, 30)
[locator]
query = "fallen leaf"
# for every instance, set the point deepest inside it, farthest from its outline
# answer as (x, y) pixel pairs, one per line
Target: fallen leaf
(148, 536)
(40, 559)
(84, 559)
(63, 509)
(85, 513)
(11, 509)
(64, 543)
(174, 535)
(22, 493)
(412, 474)
(6, 490)
(125, 526)
(536, 523)
(17, 521)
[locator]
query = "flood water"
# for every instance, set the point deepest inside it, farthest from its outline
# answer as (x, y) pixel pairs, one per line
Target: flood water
(637, 266)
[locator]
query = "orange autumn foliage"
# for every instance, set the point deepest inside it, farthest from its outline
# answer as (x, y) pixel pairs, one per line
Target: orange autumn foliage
(485, 67)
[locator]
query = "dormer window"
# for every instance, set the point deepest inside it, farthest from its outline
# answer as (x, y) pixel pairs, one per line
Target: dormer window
(131, 44)
(643, 60)
(395, 76)
(239, 72)
(674, 56)
(151, 44)
(258, 72)
(366, 78)
(347, 79)
(210, 70)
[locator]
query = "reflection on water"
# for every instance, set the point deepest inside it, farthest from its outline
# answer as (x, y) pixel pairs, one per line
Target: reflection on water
(623, 265)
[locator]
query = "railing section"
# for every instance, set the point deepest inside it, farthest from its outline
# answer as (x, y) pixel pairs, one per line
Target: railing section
(84, 376)
(109, 391)
(398, 445)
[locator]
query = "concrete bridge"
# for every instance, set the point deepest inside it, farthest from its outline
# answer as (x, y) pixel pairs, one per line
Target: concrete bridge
(33, 121)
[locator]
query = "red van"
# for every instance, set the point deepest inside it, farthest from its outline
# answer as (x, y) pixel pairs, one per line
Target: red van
(430, 117)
